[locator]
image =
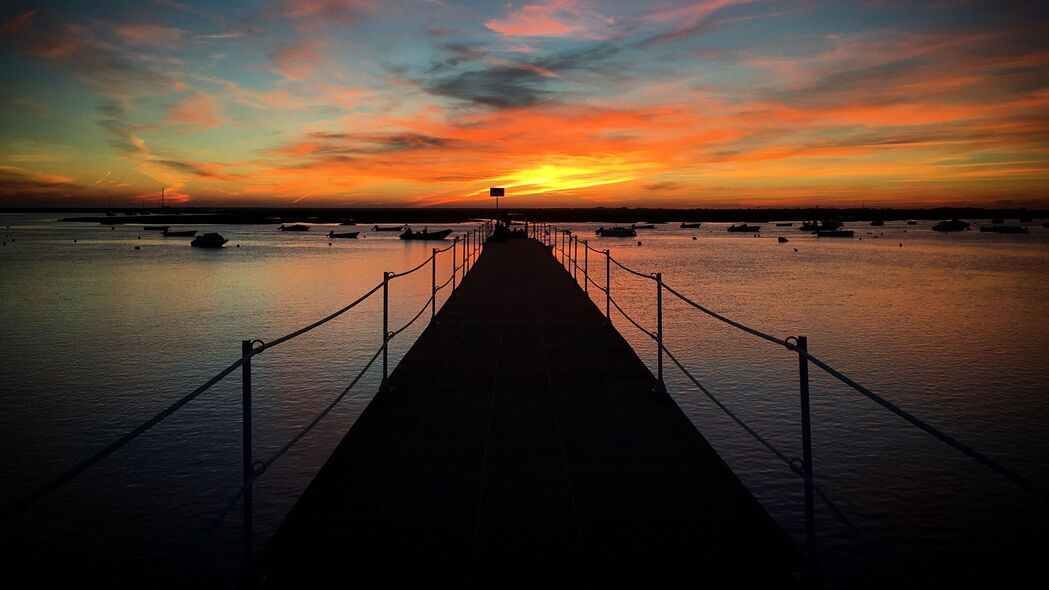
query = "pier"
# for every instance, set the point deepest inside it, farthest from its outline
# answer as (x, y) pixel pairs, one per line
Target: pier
(521, 440)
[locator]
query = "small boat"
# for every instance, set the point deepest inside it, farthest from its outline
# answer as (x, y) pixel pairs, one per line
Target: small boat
(912, 222)
(784, 225)
(951, 225)
(349, 234)
(1004, 229)
(744, 228)
(782, 240)
(826, 225)
(835, 233)
(690, 225)
(409, 234)
(210, 240)
(997, 220)
(616, 232)
(188, 233)
(643, 226)
(155, 228)
(347, 223)
(387, 227)
(877, 223)
(295, 227)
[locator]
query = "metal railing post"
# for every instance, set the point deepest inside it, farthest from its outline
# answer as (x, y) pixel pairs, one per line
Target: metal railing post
(455, 271)
(247, 573)
(608, 286)
(433, 283)
(806, 445)
(661, 386)
(575, 258)
(586, 268)
(385, 329)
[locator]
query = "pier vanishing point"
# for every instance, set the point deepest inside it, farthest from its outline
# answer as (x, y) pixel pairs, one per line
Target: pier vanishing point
(521, 441)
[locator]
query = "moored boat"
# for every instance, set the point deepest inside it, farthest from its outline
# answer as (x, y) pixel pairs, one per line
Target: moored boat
(951, 225)
(744, 228)
(348, 234)
(409, 234)
(825, 225)
(690, 225)
(387, 227)
(643, 226)
(209, 240)
(616, 232)
(782, 240)
(877, 223)
(186, 233)
(785, 224)
(294, 227)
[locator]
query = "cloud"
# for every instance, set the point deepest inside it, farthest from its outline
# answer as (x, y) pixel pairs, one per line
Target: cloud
(197, 111)
(297, 62)
(553, 18)
(151, 35)
(339, 10)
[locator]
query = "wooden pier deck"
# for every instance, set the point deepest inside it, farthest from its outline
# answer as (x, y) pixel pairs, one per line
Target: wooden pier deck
(522, 443)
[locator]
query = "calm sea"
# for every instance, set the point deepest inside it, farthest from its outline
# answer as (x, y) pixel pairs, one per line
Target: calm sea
(98, 336)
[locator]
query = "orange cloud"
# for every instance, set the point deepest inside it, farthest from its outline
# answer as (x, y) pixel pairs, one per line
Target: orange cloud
(198, 111)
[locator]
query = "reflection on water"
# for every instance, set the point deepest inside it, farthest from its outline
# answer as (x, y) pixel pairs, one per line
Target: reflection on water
(99, 336)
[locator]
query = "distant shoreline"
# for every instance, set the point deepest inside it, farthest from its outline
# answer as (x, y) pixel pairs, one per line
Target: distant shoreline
(261, 215)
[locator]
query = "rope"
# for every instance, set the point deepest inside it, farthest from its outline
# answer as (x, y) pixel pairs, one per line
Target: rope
(394, 275)
(630, 270)
(261, 467)
(439, 287)
(116, 445)
(725, 409)
(631, 320)
(594, 283)
(411, 321)
(287, 446)
(722, 318)
(321, 322)
(925, 426)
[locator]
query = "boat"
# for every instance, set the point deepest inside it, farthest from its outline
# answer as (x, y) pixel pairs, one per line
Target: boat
(643, 226)
(210, 240)
(690, 225)
(744, 228)
(155, 227)
(825, 225)
(348, 234)
(616, 232)
(409, 234)
(387, 227)
(347, 223)
(784, 225)
(951, 225)
(782, 240)
(188, 233)
(294, 227)
(877, 223)
(1004, 229)
(912, 222)
(835, 233)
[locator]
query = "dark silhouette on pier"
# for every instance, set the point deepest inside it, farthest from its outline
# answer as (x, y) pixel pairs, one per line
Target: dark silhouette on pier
(522, 441)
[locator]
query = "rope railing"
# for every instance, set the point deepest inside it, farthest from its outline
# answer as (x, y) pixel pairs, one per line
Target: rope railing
(569, 259)
(256, 347)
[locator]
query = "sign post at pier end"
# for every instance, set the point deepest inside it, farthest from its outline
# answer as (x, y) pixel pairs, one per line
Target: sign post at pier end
(496, 192)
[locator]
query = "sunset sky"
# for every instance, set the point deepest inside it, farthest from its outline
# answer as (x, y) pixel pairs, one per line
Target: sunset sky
(672, 103)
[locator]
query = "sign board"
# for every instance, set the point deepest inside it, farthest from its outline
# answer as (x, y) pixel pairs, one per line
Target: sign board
(496, 192)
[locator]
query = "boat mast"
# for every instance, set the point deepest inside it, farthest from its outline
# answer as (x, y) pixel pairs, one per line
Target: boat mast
(161, 198)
